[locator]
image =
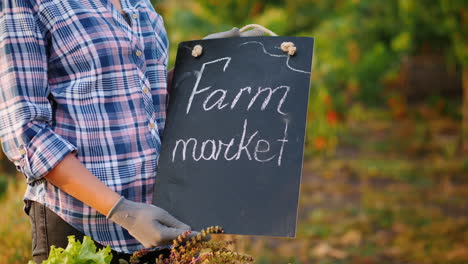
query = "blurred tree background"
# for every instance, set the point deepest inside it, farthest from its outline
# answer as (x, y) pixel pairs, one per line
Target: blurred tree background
(386, 171)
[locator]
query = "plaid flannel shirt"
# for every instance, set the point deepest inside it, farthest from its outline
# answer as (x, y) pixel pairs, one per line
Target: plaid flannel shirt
(76, 77)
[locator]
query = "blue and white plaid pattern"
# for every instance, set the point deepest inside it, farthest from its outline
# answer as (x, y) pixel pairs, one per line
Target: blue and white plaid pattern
(76, 77)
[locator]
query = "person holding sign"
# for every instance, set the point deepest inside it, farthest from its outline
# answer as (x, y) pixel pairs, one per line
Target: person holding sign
(82, 111)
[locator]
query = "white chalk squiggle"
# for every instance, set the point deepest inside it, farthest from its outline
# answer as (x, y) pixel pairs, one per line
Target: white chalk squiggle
(275, 55)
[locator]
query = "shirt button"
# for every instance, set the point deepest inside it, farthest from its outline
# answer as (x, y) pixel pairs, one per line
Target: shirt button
(152, 125)
(22, 151)
(134, 15)
(145, 89)
(138, 53)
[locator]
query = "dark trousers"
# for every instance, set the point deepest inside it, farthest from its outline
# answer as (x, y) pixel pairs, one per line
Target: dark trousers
(48, 229)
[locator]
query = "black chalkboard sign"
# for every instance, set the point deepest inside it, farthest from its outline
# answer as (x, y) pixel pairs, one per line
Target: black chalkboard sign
(232, 148)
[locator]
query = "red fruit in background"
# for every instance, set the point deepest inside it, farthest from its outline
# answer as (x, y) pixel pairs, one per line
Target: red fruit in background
(257, 9)
(320, 143)
(332, 117)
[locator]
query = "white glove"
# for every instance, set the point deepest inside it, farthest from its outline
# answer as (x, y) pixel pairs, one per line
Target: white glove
(149, 224)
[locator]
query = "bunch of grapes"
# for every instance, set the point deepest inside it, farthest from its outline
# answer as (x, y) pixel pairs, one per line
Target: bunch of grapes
(190, 249)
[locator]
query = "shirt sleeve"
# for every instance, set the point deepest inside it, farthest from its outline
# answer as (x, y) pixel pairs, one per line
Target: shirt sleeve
(25, 110)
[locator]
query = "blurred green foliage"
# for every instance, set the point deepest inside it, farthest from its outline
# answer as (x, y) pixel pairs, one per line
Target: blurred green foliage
(360, 44)
(3, 184)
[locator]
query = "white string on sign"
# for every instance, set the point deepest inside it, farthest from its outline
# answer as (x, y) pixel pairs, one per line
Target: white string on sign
(287, 47)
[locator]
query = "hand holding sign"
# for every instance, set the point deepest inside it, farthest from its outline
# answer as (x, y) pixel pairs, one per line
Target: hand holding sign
(233, 142)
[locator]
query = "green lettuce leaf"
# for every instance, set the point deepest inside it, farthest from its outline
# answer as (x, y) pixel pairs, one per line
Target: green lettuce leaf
(78, 253)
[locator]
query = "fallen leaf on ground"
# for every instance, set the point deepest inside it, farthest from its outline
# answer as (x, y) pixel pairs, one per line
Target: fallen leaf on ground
(323, 250)
(351, 238)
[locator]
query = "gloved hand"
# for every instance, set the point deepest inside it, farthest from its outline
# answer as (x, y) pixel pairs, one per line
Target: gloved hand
(149, 224)
(234, 32)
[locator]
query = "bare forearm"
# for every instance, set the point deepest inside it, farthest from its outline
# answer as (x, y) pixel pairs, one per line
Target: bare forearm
(71, 176)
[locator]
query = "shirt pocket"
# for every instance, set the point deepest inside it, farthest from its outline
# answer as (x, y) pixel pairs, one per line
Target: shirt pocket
(89, 47)
(86, 29)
